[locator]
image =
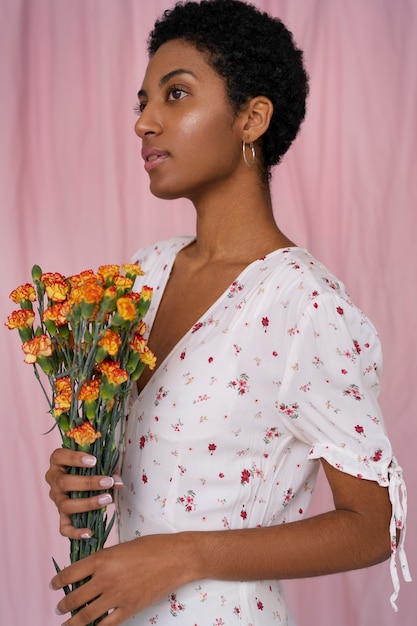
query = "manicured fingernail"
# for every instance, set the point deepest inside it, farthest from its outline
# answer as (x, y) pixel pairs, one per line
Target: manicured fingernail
(106, 481)
(86, 536)
(58, 612)
(89, 460)
(105, 499)
(117, 479)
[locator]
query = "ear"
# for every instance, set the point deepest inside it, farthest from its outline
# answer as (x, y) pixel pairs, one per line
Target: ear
(256, 117)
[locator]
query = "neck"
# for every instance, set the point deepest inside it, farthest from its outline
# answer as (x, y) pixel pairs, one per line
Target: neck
(237, 226)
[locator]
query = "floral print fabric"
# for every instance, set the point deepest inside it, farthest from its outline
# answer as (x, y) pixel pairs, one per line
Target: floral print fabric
(281, 371)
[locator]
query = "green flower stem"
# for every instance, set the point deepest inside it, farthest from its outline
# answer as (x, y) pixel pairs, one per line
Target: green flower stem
(38, 378)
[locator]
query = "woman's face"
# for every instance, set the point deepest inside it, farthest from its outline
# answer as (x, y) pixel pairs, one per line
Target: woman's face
(191, 137)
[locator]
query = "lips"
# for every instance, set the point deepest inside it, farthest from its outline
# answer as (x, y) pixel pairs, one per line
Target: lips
(153, 157)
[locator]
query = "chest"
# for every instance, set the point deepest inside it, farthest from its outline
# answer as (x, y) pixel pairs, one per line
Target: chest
(187, 296)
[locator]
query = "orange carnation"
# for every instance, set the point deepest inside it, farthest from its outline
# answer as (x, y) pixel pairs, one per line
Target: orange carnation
(126, 309)
(75, 296)
(24, 292)
(141, 329)
(146, 293)
(138, 343)
(132, 269)
(123, 282)
(83, 277)
(84, 435)
(37, 347)
(111, 342)
(133, 295)
(20, 319)
(57, 313)
(89, 391)
(91, 293)
(51, 277)
(107, 273)
(148, 357)
(111, 292)
(63, 384)
(62, 402)
(57, 291)
(56, 286)
(113, 372)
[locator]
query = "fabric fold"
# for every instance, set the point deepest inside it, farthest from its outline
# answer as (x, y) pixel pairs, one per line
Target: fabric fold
(398, 497)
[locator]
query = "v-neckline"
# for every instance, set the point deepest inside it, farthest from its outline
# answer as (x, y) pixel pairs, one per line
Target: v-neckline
(207, 312)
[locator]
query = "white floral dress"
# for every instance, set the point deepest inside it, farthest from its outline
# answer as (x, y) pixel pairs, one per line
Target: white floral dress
(281, 371)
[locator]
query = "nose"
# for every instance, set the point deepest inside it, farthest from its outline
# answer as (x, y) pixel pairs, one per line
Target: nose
(148, 123)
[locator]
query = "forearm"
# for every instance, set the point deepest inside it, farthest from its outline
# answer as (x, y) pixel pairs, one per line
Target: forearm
(354, 535)
(333, 542)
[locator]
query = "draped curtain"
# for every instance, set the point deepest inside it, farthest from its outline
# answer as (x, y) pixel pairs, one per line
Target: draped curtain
(73, 195)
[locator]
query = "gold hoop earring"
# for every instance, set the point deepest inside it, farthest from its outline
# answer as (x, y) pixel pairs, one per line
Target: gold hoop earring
(252, 148)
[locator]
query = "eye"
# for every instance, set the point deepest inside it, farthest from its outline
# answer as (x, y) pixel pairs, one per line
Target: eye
(176, 93)
(139, 108)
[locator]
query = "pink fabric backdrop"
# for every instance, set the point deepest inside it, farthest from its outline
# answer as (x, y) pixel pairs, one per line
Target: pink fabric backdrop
(74, 195)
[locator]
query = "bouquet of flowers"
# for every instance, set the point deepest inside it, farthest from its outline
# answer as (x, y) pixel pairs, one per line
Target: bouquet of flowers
(89, 342)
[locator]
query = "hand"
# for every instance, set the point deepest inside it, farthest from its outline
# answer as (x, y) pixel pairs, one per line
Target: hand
(61, 483)
(125, 578)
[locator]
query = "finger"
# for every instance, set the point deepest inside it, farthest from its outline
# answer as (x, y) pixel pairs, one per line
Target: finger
(63, 458)
(72, 458)
(73, 573)
(72, 482)
(70, 506)
(76, 600)
(91, 611)
(68, 530)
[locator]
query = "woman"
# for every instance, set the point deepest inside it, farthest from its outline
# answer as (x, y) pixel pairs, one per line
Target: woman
(266, 368)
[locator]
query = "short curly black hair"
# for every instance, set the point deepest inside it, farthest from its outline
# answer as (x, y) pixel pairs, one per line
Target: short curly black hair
(254, 53)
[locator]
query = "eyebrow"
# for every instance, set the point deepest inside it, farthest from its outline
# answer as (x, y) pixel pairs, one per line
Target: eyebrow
(166, 78)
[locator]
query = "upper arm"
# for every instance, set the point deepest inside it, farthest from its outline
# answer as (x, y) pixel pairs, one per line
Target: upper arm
(365, 498)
